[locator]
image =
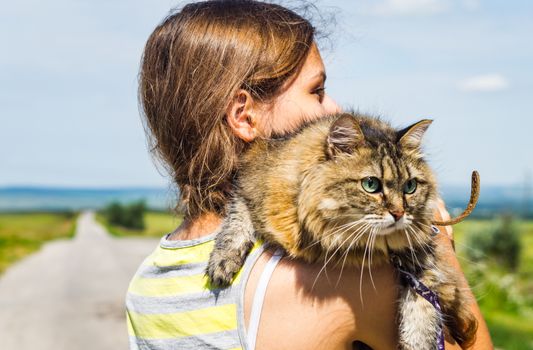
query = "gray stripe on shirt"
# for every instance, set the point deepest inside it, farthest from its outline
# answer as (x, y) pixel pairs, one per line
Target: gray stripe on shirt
(173, 270)
(209, 341)
(180, 302)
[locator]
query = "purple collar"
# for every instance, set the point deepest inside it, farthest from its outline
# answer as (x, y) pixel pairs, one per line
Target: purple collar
(422, 290)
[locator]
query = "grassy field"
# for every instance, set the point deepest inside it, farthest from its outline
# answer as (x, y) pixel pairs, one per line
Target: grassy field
(23, 233)
(157, 225)
(505, 297)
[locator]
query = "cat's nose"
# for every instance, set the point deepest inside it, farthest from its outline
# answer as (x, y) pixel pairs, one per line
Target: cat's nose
(397, 214)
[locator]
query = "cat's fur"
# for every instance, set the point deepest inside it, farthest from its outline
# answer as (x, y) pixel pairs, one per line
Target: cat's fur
(304, 194)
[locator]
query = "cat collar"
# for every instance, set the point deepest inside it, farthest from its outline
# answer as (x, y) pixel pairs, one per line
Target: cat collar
(422, 290)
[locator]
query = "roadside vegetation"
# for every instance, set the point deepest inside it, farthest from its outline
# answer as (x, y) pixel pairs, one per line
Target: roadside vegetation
(497, 257)
(24, 233)
(135, 219)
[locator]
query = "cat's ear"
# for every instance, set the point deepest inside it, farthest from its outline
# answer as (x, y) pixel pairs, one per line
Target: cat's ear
(410, 138)
(344, 136)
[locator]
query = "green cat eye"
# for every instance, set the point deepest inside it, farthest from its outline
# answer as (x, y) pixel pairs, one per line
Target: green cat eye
(410, 186)
(371, 184)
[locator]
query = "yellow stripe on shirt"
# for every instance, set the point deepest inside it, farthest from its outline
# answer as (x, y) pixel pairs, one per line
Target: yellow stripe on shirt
(179, 256)
(183, 324)
(162, 287)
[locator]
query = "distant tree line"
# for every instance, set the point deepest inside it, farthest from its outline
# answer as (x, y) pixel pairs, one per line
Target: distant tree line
(126, 215)
(501, 243)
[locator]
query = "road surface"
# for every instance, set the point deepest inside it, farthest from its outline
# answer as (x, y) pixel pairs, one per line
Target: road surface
(70, 294)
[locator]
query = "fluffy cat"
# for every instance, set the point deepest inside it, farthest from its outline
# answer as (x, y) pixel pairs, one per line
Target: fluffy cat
(347, 187)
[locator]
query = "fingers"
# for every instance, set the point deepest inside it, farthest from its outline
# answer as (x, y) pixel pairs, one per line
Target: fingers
(441, 214)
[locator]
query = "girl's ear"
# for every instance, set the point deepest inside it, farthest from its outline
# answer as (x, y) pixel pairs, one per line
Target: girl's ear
(240, 116)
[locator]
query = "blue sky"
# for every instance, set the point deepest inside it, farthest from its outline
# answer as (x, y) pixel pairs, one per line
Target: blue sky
(68, 107)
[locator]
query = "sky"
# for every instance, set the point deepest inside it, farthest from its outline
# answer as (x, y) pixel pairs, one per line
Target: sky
(68, 71)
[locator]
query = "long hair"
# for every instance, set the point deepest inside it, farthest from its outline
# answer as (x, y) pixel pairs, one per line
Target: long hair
(193, 63)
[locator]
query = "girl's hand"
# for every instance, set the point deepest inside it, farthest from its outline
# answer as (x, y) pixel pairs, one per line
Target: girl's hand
(441, 214)
(483, 341)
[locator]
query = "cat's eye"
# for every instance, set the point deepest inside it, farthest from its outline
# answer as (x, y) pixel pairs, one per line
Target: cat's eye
(410, 186)
(371, 184)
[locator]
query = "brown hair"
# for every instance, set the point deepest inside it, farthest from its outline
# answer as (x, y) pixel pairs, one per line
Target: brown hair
(193, 64)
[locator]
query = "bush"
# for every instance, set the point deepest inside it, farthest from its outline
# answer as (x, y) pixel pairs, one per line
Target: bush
(69, 214)
(501, 243)
(114, 213)
(129, 216)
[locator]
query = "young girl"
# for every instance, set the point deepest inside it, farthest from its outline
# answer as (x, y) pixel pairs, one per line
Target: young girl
(215, 76)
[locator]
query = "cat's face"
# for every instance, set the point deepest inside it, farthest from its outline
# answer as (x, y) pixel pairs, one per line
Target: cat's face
(373, 185)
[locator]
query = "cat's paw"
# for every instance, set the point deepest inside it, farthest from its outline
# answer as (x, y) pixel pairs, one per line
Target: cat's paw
(222, 271)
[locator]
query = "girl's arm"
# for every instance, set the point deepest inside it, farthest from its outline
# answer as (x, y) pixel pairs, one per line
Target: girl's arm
(483, 341)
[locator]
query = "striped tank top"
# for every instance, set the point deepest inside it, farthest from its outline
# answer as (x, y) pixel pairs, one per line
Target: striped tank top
(170, 304)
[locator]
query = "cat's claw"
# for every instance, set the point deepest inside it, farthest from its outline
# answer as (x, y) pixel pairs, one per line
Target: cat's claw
(221, 272)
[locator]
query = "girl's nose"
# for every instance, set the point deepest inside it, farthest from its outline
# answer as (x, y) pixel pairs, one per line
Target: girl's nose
(330, 105)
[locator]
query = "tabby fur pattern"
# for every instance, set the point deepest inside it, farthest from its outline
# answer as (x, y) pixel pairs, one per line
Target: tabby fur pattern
(305, 194)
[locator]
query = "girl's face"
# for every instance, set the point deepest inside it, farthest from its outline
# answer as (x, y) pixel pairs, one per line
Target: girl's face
(303, 99)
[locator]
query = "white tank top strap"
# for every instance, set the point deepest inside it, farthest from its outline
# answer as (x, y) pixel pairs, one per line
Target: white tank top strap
(259, 296)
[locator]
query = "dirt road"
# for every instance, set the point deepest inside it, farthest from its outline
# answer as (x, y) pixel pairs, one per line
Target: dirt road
(70, 295)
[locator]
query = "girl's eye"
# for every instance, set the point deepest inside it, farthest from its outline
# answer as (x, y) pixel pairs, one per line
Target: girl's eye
(410, 186)
(320, 91)
(371, 184)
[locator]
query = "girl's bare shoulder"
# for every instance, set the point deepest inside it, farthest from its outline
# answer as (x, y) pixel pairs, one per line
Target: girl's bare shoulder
(309, 307)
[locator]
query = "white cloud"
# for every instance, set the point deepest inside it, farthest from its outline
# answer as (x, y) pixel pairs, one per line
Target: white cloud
(484, 83)
(409, 7)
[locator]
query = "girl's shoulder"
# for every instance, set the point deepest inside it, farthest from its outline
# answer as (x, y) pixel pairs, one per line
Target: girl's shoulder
(309, 307)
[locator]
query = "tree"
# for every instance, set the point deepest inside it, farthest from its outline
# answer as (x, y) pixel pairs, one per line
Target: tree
(130, 216)
(134, 215)
(114, 213)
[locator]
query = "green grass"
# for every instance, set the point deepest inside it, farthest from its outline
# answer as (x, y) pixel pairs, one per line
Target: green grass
(23, 233)
(505, 297)
(509, 331)
(157, 225)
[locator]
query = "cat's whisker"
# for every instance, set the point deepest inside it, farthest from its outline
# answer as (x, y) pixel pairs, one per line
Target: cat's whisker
(344, 228)
(470, 261)
(343, 262)
(364, 227)
(333, 254)
(339, 235)
(466, 246)
(422, 246)
(319, 241)
(362, 269)
(411, 248)
(423, 227)
(326, 259)
(357, 229)
(371, 250)
(325, 263)
(423, 224)
(360, 232)
(415, 229)
(407, 232)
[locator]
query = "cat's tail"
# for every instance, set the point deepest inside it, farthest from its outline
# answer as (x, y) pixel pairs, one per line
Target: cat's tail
(474, 196)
